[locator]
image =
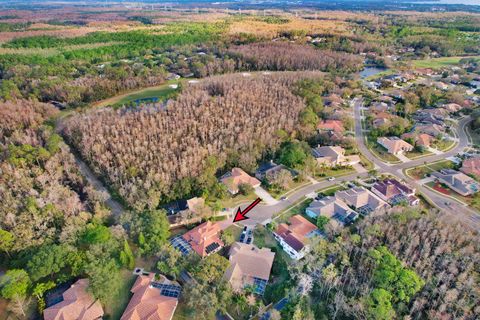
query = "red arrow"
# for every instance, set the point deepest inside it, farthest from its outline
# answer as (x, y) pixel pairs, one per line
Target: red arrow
(241, 214)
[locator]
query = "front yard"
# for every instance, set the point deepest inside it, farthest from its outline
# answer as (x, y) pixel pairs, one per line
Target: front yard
(417, 154)
(420, 172)
(381, 153)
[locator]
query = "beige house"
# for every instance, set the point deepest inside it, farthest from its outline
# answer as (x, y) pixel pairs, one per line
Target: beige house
(249, 266)
(332, 156)
(77, 304)
(361, 199)
(232, 180)
(395, 145)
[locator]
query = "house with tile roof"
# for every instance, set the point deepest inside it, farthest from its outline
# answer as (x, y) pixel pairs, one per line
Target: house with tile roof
(249, 267)
(153, 299)
(471, 166)
(361, 200)
(232, 180)
(204, 239)
(432, 129)
(394, 192)
(331, 126)
(395, 145)
(76, 304)
(332, 156)
(333, 208)
(293, 237)
(422, 139)
(457, 181)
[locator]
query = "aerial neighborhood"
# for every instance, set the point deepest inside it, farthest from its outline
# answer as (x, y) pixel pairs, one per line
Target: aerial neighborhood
(239, 160)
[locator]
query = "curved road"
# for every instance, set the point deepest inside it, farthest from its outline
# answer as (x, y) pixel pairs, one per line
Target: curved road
(446, 204)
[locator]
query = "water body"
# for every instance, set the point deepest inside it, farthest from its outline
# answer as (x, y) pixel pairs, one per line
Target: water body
(370, 71)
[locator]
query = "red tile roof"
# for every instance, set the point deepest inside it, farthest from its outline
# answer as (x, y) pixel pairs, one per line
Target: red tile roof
(202, 236)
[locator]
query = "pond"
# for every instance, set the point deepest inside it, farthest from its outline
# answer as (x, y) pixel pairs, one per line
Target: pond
(371, 71)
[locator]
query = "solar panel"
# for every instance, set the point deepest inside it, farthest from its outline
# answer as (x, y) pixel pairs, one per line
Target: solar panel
(212, 247)
(167, 290)
(181, 245)
(260, 285)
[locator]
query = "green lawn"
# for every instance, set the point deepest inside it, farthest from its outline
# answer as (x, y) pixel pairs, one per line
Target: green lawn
(335, 172)
(117, 304)
(437, 63)
(444, 145)
(277, 194)
(233, 201)
(420, 171)
(416, 154)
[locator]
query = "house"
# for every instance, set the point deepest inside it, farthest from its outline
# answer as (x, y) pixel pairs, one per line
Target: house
(153, 298)
(293, 237)
(76, 304)
(395, 145)
(471, 166)
(380, 119)
(333, 100)
(457, 181)
(178, 206)
(433, 129)
(361, 200)
(249, 267)
(422, 139)
(379, 107)
(332, 208)
(452, 107)
(332, 156)
(440, 85)
(393, 192)
(331, 126)
(232, 180)
(440, 113)
(204, 239)
(428, 118)
(271, 168)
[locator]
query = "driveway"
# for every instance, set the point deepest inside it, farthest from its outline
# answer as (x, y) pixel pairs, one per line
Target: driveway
(265, 196)
(403, 157)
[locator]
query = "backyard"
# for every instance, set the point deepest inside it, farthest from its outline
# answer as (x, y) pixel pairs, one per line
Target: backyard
(437, 63)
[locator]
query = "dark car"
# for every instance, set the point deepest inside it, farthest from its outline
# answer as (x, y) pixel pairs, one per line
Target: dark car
(249, 240)
(242, 237)
(245, 228)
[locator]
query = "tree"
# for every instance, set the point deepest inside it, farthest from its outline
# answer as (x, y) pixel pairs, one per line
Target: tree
(322, 222)
(227, 237)
(170, 260)
(38, 292)
(105, 279)
(379, 305)
(126, 256)
(6, 241)
(14, 286)
(211, 269)
(293, 154)
(152, 228)
(245, 189)
(96, 233)
(62, 261)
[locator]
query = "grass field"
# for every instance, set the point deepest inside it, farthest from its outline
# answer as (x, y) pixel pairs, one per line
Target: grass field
(415, 154)
(437, 63)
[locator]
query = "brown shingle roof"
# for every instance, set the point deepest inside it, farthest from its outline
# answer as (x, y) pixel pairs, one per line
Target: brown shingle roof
(77, 304)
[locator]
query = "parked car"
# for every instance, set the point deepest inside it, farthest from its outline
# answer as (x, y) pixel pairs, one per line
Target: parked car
(249, 240)
(242, 237)
(331, 179)
(284, 198)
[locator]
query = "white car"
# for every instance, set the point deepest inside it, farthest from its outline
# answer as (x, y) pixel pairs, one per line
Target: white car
(331, 179)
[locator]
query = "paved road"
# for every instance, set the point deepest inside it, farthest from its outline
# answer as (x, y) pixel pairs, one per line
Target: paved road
(263, 213)
(459, 211)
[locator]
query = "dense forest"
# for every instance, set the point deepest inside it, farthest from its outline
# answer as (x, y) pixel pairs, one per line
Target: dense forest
(408, 263)
(157, 152)
(281, 56)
